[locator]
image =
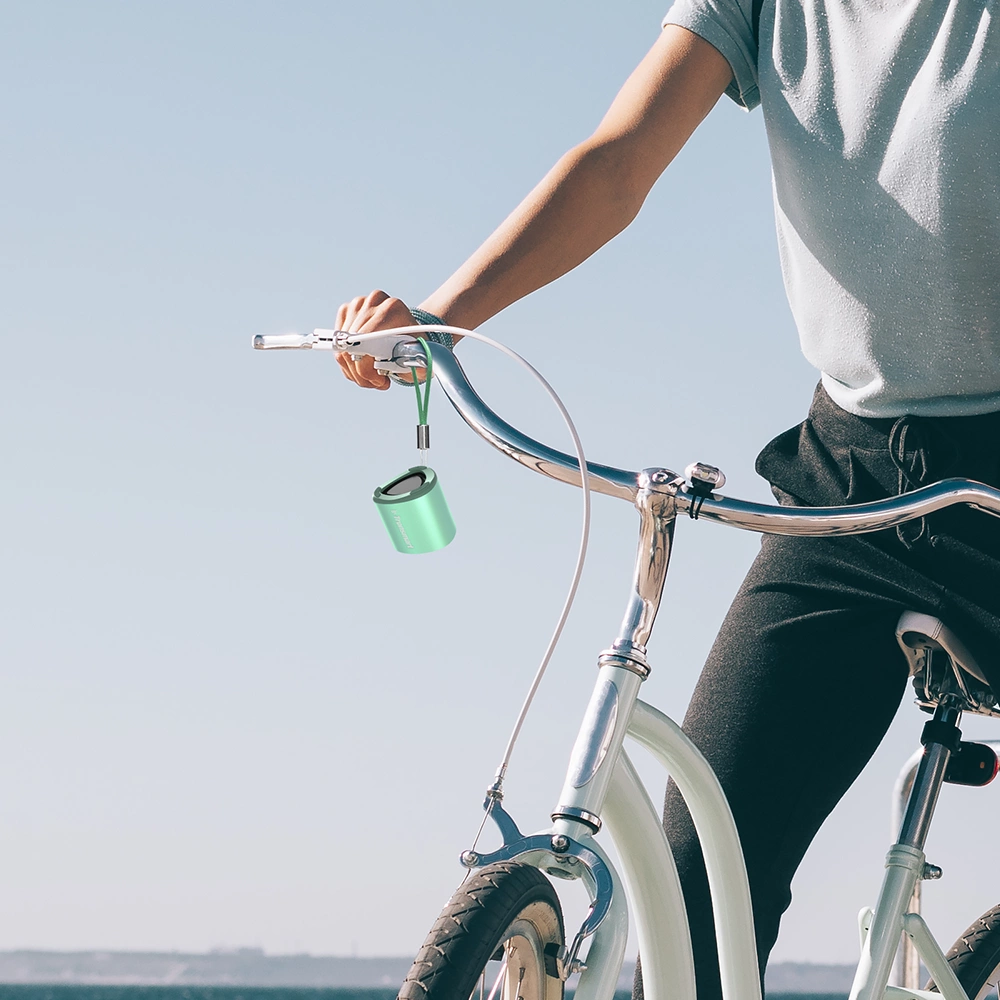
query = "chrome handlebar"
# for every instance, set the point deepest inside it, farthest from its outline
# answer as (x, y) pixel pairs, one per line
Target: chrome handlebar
(395, 352)
(766, 518)
(847, 520)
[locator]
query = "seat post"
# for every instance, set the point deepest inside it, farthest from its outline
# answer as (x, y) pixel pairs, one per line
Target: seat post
(940, 738)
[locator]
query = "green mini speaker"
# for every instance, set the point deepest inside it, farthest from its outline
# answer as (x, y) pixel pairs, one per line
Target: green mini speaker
(415, 512)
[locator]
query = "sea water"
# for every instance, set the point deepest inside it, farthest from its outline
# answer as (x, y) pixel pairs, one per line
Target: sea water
(63, 991)
(73, 992)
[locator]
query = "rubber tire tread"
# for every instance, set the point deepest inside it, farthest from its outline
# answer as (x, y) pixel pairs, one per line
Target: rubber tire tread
(466, 933)
(976, 953)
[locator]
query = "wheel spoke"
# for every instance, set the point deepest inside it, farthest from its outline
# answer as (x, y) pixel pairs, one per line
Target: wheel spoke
(501, 976)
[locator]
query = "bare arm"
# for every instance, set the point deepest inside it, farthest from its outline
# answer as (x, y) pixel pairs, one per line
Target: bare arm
(588, 197)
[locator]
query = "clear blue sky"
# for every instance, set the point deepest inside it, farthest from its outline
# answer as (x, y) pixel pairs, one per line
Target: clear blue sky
(231, 714)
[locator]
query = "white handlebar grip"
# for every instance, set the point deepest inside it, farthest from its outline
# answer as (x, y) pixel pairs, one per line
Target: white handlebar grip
(282, 341)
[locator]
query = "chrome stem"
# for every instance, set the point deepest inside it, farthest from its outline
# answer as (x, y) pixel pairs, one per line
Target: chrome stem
(655, 502)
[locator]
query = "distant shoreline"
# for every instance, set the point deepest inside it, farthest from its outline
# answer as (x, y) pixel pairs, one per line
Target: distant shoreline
(252, 968)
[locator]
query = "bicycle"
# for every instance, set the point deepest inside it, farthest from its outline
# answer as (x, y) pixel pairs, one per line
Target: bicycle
(502, 933)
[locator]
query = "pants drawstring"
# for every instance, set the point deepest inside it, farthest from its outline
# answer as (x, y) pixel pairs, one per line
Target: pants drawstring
(915, 445)
(913, 472)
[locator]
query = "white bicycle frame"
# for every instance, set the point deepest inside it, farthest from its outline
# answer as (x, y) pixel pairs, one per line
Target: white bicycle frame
(602, 787)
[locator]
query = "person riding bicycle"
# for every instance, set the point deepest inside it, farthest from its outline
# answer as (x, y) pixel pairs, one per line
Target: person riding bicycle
(881, 120)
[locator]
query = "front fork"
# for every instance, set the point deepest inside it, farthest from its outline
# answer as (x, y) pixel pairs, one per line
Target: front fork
(568, 850)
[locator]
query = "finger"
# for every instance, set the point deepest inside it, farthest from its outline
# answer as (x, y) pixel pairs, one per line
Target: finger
(355, 314)
(347, 367)
(365, 368)
(368, 378)
(361, 310)
(353, 368)
(388, 313)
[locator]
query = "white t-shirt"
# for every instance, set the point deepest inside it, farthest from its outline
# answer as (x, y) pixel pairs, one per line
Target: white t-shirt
(883, 118)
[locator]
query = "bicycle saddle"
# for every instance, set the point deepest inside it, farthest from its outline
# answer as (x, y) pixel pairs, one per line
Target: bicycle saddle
(941, 665)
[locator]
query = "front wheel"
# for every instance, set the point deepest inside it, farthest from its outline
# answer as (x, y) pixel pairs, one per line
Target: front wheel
(975, 956)
(491, 940)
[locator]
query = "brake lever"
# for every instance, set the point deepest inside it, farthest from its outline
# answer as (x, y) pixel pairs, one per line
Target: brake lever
(381, 347)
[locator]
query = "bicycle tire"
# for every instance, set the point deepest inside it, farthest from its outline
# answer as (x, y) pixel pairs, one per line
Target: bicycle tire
(503, 917)
(975, 956)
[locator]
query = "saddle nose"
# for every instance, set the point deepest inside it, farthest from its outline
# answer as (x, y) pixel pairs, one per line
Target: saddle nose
(916, 631)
